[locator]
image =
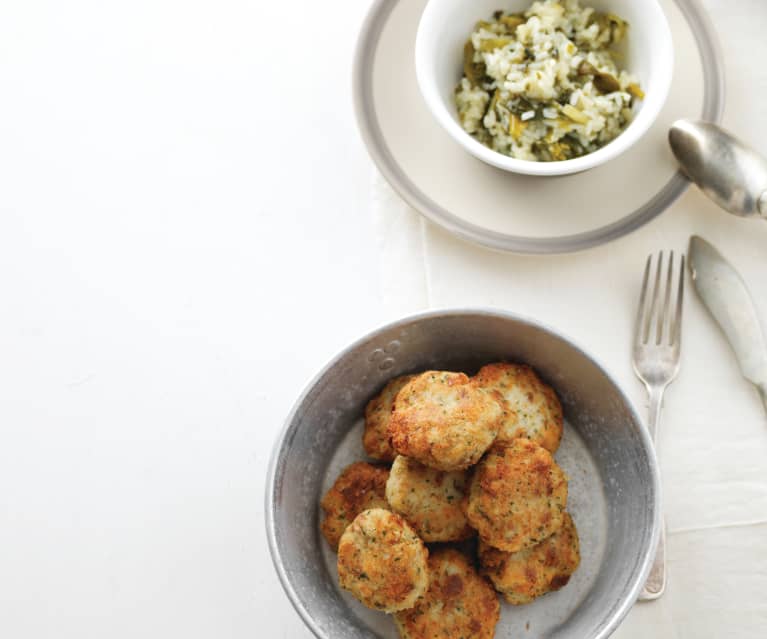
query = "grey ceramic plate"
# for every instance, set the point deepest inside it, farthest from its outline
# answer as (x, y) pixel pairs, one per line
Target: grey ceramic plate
(606, 452)
(510, 212)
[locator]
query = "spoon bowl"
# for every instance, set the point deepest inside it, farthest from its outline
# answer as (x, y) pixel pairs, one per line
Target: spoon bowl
(730, 172)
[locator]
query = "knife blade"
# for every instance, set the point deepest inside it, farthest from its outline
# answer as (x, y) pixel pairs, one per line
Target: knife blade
(725, 295)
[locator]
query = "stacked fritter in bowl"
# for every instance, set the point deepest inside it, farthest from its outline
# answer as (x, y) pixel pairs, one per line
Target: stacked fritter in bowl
(471, 457)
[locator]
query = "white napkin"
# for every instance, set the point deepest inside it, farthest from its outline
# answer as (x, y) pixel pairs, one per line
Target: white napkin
(713, 443)
(713, 448)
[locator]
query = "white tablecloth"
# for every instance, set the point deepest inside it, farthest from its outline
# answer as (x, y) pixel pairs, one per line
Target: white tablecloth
(190, 227)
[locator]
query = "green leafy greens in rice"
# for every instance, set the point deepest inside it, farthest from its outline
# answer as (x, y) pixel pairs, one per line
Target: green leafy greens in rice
(544, 85)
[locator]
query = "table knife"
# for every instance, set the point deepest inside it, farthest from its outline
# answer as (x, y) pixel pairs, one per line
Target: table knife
(725, 295)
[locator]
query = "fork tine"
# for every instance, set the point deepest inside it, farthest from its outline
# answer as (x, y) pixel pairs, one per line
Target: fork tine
(676, 336)
(664, 317)
(654, 301)
(641, 312)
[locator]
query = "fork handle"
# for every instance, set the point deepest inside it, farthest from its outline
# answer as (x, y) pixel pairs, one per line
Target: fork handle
(656, 580)
(656, 404)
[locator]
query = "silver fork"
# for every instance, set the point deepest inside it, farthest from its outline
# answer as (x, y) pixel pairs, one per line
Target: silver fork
(657, 342)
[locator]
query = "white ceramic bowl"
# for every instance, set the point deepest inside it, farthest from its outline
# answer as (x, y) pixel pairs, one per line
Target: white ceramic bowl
(446, 25)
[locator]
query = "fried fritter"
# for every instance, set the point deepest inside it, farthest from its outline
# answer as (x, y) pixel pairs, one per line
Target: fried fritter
(444, 421)
(382, 561)
(429, 499)
(525, 575)
(517, 496)
(531, 408)
(359, 487)
(375, 439)
(459, 603)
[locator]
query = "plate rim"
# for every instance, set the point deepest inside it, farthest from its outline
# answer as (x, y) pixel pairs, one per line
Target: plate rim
(714, 81)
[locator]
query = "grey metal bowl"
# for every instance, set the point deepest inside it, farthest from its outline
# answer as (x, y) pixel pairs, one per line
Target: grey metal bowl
(606, 452)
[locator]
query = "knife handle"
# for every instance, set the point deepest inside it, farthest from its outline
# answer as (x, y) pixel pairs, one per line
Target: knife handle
(762, 388)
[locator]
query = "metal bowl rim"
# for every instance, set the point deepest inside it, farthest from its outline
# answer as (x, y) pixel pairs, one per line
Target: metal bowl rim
(630, 598)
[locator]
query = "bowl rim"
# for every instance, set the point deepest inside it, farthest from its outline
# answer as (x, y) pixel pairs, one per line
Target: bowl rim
(637, 128)
(632, 595)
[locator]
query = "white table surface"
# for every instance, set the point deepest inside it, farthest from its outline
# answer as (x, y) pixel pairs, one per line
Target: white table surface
(190, 227)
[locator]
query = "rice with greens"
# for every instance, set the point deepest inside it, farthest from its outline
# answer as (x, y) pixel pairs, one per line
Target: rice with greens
(545, 85)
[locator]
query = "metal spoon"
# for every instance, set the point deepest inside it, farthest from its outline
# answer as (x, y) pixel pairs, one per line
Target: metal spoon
(732, 174)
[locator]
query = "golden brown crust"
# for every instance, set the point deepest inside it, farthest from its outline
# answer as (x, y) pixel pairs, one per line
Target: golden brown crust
(382, 561)
(517, 496)
(375, 439)
(531, 408)
(460, 604)
(430, 500)
(525, 575)
(359, 487)
(444, 421)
